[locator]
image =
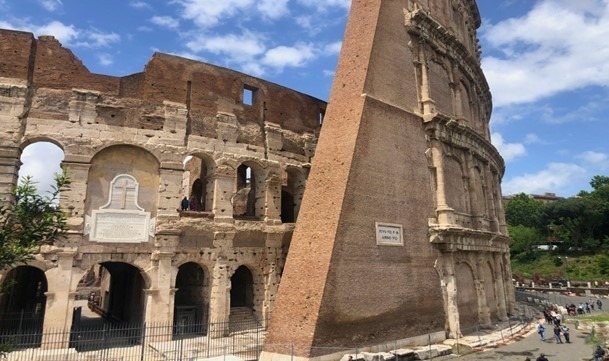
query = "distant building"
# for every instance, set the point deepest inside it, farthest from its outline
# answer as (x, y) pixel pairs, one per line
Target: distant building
(545, 198)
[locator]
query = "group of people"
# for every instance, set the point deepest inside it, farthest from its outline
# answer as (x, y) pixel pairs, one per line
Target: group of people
(584, 307)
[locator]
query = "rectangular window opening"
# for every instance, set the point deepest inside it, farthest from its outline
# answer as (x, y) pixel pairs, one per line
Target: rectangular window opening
(248, 95)
(322, 114)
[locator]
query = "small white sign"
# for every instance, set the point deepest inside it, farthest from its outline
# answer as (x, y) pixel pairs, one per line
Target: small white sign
(389, 234)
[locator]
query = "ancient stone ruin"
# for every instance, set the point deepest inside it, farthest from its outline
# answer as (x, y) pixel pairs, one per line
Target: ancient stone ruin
(237, 147)
(402, 231)
(188, 180)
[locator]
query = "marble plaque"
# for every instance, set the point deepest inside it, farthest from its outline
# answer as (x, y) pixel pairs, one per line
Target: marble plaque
(121, 220)
(389, 234)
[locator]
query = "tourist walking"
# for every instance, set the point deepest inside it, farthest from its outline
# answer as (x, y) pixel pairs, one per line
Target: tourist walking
(565, 332)
(599, 304)
(557, 334)
(541, 331)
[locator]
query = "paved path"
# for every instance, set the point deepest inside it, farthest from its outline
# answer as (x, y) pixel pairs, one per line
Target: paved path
(531, 346)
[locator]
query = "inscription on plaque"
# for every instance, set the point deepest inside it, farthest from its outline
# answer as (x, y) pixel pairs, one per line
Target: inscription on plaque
(121, 220)
(389, 234)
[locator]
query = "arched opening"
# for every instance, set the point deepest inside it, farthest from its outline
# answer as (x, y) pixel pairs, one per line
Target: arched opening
(292, 189)
(41, 161)
(467, 297)
(191, 299)
(242, 288)
(287, 207)
(248, 200)
(198, 183)
(23, 300)
(489, 289)
(109, 307)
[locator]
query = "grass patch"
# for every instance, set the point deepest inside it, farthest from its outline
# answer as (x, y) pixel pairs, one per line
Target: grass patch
(596, 318)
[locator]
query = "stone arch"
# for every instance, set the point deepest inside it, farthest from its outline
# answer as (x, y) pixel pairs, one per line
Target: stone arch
(41, 159)
(242, 288)
(198, 182)
(122, 292)
(292, 190)
(466, 105)
(488, 278)
(250, 189)
(455, 184)
(111, 144)
(123, 159)
(191, 299)
(23, 303)
(439, 80)
(467, 298)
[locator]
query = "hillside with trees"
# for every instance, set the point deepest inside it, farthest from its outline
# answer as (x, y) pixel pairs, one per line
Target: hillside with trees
(566, 239)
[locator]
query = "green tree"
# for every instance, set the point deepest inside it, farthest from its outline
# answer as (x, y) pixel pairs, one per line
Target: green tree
(523, 210)
(525, 238)
(29, 220)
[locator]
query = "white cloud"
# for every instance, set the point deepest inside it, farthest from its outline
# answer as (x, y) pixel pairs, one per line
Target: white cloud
(594, 157)
(64, 33)
(239, 48)
(292, 56)
(165, 21)
(50, 5)
(68, 35)
(273, 9)
(98, 39)
(532, 139)
(105, 59)
(253, 68)
(554, 178)
(333, 48)
(324, 4)
(541, 54)
(145, 29)
(140, 5)
(329, 73)
(509, 151)
(209, 13)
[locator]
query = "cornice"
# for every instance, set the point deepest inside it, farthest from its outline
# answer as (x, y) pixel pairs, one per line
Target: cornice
(453, 239)
(450, 131)
(421, 25)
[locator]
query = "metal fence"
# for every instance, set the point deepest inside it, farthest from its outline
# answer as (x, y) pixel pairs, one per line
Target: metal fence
(124, 342)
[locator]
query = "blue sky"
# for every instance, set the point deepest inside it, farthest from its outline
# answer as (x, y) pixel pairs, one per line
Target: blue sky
(547, 62)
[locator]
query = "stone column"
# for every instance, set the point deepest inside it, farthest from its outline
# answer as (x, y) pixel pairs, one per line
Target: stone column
(62, 281)
(428, 104)
(491, 193)
(9, 170)
(509, 287)
(15, 100)
(443, 210)
(162, 302)
(271, 272)
(170, 190)
(500, 209)
(224, 188)
(219, 303)
(484, 314)
(72, 198)
(449, 286)
(499, 281)
(272, 202)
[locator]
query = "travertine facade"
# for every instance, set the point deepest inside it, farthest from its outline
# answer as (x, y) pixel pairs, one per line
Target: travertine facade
(135, 146)
(402, 231)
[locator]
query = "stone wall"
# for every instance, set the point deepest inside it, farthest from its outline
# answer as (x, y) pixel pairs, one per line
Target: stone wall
(134, 147)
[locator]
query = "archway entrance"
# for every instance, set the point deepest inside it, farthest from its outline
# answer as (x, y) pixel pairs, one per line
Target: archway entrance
(242, 288)
(23, 301)
(190, 312)
(467, 297)
(109, 305)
